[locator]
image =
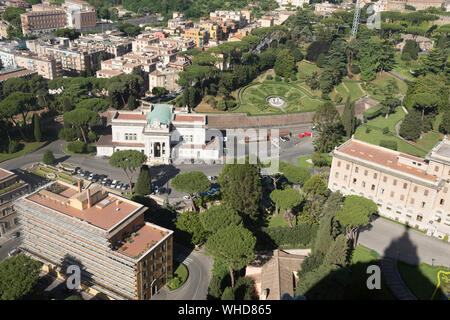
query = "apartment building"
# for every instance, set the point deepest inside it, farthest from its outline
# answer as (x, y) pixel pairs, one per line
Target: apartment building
(7, 55)
(199, 36)
(104, 234)
(294, 3)
(48, 67)
(73, 59)
(113, 43)
(4, 25)
(406, 188)
(11, 187)
(43, 18)
(80, 14)
(164, 77)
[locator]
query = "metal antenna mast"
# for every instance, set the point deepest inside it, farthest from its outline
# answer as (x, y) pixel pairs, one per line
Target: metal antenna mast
(356, 19)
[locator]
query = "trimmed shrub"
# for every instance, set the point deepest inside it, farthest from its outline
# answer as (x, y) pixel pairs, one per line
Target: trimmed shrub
(92, 136)
(77, 147)
(293, 77)
(386, 130)
(373, 112)
(355, 69)
(368, 129)
(301, 234)
(311, 263)
(321, 159)
(277, 79)
(269, 77)
(338, 98)
(325, 96)
(48, 158)
(389, 144)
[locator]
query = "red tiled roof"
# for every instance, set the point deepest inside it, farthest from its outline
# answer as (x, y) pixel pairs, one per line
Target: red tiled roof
(131, 116)
(382, 157)
(185, 118)
(5, 173)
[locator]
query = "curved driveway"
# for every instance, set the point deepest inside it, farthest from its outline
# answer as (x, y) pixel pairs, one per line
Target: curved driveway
(196, 286)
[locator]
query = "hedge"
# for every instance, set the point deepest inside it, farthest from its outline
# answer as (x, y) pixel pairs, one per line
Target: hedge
(373, 112)
(389, 144)
(301, 234)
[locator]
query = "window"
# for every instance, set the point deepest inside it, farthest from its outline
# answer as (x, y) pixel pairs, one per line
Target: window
(423, 204)
(337, 175)
(441, 202)
(146, 286)
(436, 168)
(356, 169)
(372, 187)
(384, 179)
(363, 184)
(412, 201)
(354, 180)
(445, 190)
(375, 175)
(405, 185)
(425, 193)
(382, 190)
(153, 267)
(419, 218)
(365, 173)
(392, 194)
(345, 178)
(163, 258)
(348, 166)
(402, 197)
(395, 182)
(145, 274)
(339, 164)
(415, 189)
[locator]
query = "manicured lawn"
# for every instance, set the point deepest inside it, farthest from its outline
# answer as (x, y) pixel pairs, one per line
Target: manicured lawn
(306, 69)
(28, 148)
(355, 91)
(180, 276)
(303, 163)
(403, 67)
(376, 134)
(277, 221)
(421, 280)
(363, 255)
(429, 140)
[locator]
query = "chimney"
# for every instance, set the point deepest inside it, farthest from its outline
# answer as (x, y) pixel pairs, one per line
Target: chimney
(79, 186)
(88, 193)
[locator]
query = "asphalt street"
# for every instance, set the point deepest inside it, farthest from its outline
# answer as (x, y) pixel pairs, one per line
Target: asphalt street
(396, 241)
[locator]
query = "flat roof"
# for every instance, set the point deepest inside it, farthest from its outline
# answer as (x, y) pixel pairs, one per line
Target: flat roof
(146, 237)
(104, 214)
(15, 74)
(384, 157)
(131, 116)
(5, 174)
(190, 118)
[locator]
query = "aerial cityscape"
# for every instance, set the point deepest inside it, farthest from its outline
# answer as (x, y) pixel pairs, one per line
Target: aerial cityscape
(215, 151)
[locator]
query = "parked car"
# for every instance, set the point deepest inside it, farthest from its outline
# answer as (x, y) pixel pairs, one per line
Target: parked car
(16, 235)
(155, 189)
(284, 139)
(114, 183)
(108, 182)
(124, 187)
(119, 185)
(186, 197)
(83, 173)
(13, 252)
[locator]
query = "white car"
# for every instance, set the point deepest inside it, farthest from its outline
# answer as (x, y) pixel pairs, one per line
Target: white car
(13, 252)
(114, 183)
(186, 197)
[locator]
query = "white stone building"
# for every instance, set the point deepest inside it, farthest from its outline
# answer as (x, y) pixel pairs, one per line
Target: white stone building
(163, 134)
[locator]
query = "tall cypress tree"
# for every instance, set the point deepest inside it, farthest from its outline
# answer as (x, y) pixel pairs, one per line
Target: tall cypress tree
(37, 128)
(348, 118)
(144, 182)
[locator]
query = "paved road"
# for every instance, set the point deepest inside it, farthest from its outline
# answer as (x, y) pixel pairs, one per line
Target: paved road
(7, 246)
(395, 241)
(399, 75)
(196, 287)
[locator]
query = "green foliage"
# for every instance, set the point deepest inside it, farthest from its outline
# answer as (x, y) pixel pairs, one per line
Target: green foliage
(410, 127)
(348, 118)
(93, 104)
(190, 222)
(300, 234)
(72, 34)
(269, 77)
(37, 128)
(244, 288)
(315, 49)
(284, 64)
(355, 69)
(82, 119)
(144, 182)
(373, 112)
(321, 60)
(19, 276)
(241, 188)
(191, 182)
(311, 262)
(316, 191)
(328, 128)
(215, 287)
(234, 245)
(294, 174)
(321, 159)
(324, 237)
(412, 49)
(444, 126)
(390, 144)
(14, 146)
(48, 157)
(338, 252)
(68, 134)
(128, 161)
(77, 147)
(228, 294)
(129, 29)
(356, 211)
(219, 216)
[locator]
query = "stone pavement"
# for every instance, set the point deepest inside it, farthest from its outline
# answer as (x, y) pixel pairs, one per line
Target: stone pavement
(393, 279)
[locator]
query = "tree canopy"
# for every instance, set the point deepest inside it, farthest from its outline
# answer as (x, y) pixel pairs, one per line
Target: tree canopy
(128, 161)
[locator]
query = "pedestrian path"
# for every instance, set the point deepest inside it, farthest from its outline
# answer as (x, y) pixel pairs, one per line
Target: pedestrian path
(393, 279)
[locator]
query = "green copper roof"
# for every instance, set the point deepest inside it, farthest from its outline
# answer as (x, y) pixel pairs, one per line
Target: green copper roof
(161, 112)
